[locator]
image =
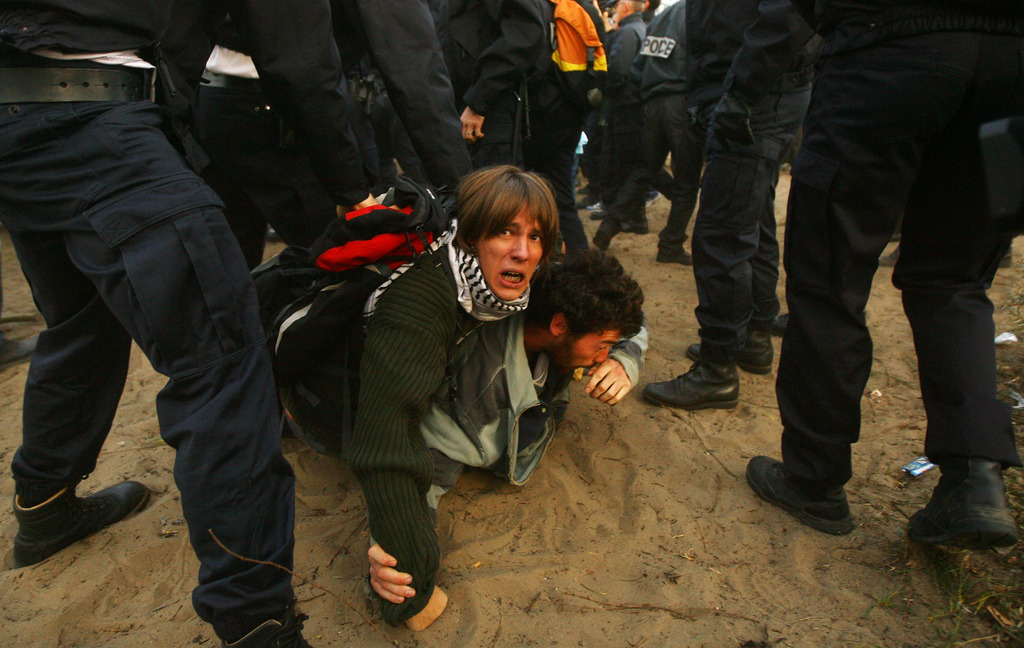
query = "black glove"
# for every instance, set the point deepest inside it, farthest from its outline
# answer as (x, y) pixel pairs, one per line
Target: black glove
(731, 120)
(698, 124)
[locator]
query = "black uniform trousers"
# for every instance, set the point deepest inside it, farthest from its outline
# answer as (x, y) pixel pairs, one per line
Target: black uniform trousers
(665, 130)
(547, 146)
(120, 241)
(259, 169)
(893, 129)
(623, 158)
(735, 250)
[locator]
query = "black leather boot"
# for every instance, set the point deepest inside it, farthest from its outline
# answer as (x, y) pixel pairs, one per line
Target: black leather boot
(284, 632)
(705, 385)
(63, 519)
(755, 356)
(968, 507)
(824, 509)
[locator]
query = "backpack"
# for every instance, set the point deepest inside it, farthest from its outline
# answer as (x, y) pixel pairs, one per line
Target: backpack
(578, 60)
(311, 300)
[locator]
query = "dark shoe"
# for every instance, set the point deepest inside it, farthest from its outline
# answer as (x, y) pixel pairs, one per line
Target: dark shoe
(778, 325)
(598, 214)
(968, 508)
(285, 632)
(824, 510)
(889, 260)
(17, 352)
(674, 256)
(63, 519)
(704, 386)
(605, 233)
(755, 356)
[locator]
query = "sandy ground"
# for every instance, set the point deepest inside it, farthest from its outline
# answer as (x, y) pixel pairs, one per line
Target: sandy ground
(637, 529)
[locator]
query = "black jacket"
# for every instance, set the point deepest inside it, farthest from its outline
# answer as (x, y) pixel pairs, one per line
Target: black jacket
(492, 45)
(749, 48)
(848, 24)
(661, 65)
(399, 38)
(626, 41)
(293, 48)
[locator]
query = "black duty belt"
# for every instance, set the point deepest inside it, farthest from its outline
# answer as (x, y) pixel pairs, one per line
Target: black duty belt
(215, 80)
(58, 84)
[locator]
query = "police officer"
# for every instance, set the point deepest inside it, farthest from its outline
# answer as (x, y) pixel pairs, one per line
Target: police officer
(260, 170)
(893, 128)
(494, 47)
(661, 68)
(749, 75)
(122, 242)
(625, 116)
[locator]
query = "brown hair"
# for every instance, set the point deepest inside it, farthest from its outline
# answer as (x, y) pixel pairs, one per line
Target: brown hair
(490, 198)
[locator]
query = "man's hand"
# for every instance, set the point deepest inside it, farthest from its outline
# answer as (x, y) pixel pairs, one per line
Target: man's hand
(472, 125)
(608, 382)
(368, 202)
(391, 584)
(731, 120)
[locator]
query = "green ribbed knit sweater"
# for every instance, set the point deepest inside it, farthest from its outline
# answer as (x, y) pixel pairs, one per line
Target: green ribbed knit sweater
(408, 342)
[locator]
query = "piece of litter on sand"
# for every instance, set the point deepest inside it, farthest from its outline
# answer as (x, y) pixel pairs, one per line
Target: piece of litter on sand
(918, 466)
(1006, 338)
(876, 393)
(1016, 398)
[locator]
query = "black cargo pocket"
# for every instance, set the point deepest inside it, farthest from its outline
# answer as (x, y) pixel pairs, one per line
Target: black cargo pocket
(811, 247)
(118, 219)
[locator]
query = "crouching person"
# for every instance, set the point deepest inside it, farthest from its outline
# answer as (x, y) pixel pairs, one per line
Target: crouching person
(494, 405)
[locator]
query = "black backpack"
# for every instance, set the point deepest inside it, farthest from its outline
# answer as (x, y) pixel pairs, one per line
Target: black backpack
(311, 300)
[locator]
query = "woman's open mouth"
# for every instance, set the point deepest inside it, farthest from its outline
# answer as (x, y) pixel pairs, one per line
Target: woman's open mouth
(514, 278)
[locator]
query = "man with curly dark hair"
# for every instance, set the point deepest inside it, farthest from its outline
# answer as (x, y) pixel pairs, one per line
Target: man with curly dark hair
(584, 303)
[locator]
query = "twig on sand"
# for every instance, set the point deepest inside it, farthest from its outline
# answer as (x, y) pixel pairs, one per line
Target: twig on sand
(303, 580)
(680, 613)
(497, 632)
(707, 449)
(344, 543)
(10, 319)
(702, 540)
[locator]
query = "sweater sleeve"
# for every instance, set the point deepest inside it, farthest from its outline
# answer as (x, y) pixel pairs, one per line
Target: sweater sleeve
(630, 353)
(404, 359)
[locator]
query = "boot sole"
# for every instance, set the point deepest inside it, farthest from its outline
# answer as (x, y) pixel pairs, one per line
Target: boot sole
(722, 404)
(978, 533)
(745, 366)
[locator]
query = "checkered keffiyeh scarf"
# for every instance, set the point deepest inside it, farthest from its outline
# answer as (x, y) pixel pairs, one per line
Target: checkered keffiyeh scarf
(472, 292)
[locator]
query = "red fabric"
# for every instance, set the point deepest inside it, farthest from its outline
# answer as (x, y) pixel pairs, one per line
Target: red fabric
(356, 253)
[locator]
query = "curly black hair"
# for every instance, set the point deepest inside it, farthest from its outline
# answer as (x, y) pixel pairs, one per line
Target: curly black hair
(592, 290)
